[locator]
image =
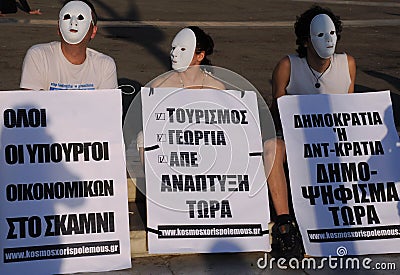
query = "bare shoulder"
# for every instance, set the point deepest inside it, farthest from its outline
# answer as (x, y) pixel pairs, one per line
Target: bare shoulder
(281, 77)
(283, 64)
(282, 70)
(169, 79)
(351, 61)
(211, 82)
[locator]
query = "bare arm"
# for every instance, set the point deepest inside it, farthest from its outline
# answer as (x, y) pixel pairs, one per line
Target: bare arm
(352, 71)
(25, 7)
(280, 80)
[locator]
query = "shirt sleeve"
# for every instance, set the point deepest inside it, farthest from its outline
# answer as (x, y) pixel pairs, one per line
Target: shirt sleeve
(32, 71)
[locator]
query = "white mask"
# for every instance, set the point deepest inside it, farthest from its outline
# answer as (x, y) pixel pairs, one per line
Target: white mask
(74, 20)
(323, 35)
(183, 47)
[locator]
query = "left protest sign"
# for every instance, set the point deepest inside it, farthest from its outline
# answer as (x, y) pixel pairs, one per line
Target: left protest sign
(63, 182)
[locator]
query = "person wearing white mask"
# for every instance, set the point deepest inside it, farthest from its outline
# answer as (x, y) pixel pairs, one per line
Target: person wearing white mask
(70, 64)
(315, 69)
(189, 53)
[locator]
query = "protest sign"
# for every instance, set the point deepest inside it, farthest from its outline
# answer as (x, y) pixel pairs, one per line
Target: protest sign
(205, 182)
(343, 158)
(62, 182)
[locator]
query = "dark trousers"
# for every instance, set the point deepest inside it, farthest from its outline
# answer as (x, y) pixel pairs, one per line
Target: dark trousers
(10, 6)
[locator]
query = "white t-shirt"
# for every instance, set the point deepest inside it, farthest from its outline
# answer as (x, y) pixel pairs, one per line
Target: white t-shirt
(46, 68)
(335, 80)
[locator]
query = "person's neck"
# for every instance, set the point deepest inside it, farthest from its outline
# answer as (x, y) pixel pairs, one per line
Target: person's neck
(76, 54)
(318, 64)
(193, 75)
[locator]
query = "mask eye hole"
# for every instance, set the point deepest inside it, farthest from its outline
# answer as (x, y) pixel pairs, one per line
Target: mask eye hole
(183, 49)
(320, 34)
(80, 17)
(332, 32)
(67, 16)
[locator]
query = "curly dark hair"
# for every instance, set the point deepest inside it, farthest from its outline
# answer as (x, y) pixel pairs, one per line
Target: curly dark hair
(303, 22)
(204, 43)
